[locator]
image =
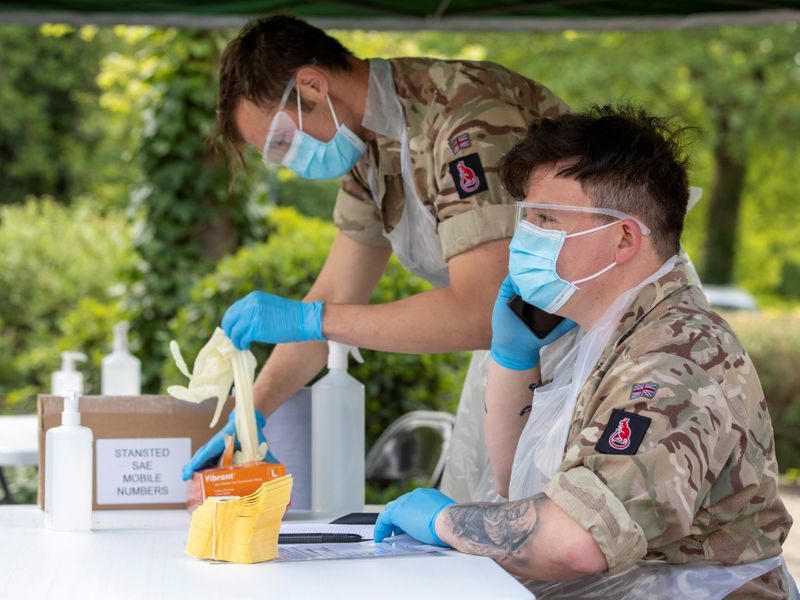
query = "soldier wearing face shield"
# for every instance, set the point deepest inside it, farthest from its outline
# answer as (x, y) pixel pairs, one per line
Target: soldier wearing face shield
(645, 467)
(417, 143)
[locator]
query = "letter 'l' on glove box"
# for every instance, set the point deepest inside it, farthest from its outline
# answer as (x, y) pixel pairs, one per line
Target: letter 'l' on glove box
(140, 445)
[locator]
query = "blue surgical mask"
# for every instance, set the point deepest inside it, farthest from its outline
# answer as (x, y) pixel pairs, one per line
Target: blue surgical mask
(307, 156)
(532, 265)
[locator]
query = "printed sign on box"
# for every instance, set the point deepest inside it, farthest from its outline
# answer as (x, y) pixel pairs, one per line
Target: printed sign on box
(145, 419)
(141, 470)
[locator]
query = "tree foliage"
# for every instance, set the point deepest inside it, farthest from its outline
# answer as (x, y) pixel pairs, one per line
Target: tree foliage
(187, 216)
(52, 260)
(53, 140)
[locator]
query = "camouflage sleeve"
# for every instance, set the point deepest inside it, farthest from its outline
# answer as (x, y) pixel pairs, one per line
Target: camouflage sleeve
(355, 213)
(472, 206)
(657, 436)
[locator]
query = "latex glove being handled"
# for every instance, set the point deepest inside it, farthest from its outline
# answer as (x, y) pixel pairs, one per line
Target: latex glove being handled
(263, 317)
(209, 453)
(514, 346)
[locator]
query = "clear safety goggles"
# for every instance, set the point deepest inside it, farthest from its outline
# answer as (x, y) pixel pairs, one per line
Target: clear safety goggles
(566, 217)
(282, 130)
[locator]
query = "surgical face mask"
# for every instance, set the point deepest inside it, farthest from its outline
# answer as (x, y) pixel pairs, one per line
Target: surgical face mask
(310, 158)
(535, 249)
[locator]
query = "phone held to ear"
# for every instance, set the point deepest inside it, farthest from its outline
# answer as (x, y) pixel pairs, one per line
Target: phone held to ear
(539, 322)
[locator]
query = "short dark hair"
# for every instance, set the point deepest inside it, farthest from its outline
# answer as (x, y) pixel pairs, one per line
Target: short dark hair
(259, 62)
(624, 158)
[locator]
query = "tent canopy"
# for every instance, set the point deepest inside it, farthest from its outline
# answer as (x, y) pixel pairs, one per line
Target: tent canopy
(503, 15)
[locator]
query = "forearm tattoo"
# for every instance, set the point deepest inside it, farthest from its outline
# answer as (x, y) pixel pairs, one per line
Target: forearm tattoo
(500, 531)
(528, 407)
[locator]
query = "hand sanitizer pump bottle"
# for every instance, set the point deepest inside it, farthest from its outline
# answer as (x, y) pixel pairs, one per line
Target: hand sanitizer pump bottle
(68, 379)
(337, 437)
(68, 472)
(122, 371)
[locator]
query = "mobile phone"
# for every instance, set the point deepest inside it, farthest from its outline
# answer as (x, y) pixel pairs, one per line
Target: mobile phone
(539, 322)
(357, 518)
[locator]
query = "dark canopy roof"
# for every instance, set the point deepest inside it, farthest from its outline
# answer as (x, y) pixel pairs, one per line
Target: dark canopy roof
(413, 14)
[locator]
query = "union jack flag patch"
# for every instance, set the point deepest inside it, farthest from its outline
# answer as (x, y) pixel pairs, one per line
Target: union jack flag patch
(644, 390)
(457, 144)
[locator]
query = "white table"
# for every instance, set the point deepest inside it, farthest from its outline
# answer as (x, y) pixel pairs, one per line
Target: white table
(133, 555)
(19, 445)
(19, 442)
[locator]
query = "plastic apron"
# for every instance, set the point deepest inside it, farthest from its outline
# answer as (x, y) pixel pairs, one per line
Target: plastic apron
(541, 449)
(650, 579)
(416, 243)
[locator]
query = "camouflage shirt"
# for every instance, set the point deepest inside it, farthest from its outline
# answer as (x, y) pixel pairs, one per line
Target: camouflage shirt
(691, 474)
(472, 112)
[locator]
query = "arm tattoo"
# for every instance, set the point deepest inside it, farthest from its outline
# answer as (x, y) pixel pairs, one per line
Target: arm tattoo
(496, 530)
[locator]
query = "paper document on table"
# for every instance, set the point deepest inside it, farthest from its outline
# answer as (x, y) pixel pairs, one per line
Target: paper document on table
(367, 532)
(401, 545)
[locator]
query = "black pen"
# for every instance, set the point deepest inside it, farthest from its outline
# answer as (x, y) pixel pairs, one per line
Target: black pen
(318, 538)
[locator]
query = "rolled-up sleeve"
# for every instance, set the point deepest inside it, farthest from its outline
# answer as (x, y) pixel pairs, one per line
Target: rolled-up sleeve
(584, 497)
(356, 215)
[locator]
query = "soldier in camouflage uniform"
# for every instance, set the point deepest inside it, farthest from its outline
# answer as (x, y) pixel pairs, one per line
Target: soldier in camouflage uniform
(455, 111)
(418, 142)
(703, 483)
(669, 452)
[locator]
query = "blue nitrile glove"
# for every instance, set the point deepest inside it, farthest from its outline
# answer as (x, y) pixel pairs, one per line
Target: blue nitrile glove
(413, 513)
(263, 317)
(513, 344)
(213, 448)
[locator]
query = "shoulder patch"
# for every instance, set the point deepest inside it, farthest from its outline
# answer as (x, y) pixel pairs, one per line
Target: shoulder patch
(459, 143)
(643, 390)
(468, 175)
(623, 434)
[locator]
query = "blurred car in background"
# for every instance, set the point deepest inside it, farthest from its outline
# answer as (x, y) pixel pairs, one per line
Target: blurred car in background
(730, 297)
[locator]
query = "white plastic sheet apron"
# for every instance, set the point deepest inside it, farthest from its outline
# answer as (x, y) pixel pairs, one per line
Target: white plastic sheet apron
(541, 444)
(650, 579)
(415, 241)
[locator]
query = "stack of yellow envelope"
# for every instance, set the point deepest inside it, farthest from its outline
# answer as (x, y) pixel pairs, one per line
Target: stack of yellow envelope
(241, 530)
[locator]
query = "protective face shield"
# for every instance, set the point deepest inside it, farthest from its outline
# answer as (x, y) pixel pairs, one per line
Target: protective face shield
(541, 231)
(310, 158)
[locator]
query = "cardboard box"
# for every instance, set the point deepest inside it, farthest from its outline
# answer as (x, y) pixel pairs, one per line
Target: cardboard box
(140, 443)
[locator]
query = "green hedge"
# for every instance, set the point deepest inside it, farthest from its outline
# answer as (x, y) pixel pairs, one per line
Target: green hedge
(287, 264)
(773, 341)
(60, 269)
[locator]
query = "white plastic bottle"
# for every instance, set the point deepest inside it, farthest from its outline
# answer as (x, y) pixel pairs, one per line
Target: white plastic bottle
(122, 371)
(68, 379)
(68, 472)
(337, 437)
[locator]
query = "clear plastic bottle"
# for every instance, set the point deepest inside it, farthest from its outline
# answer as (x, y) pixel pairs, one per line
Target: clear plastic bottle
(337, 437)
(122, 371)
(68, 379)
(68, 472)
